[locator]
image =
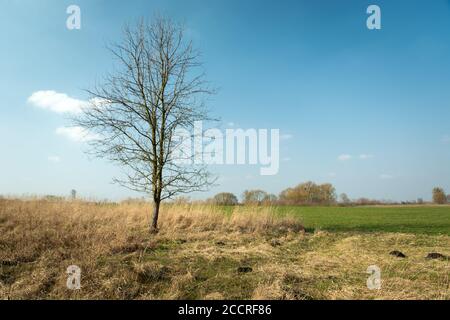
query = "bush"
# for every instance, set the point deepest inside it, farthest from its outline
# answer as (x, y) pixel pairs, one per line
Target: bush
(258, 197)
(225, 199)
(439, 196)
(309, 193)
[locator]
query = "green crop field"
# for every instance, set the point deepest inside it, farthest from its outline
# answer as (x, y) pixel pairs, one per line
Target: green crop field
(405, 219)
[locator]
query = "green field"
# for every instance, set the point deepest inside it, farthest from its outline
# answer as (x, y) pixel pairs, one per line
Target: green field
(405, 219)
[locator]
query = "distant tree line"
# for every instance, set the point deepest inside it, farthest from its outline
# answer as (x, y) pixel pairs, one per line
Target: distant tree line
(307, 193)
(310, 194)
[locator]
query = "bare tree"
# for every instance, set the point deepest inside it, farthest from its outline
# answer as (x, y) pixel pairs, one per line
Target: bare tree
(345, 200)
(255, 196)
(136, 112)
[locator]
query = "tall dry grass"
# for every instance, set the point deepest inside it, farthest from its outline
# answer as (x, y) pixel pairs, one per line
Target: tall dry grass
(39, 238)
(32, 228)
(197, 218)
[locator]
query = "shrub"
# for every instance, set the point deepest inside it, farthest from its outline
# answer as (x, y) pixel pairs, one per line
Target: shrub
(309, 193)
(225, 199)
(439, 196)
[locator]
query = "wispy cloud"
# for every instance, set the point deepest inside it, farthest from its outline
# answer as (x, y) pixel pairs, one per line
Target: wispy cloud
(54, 159)
(385, 176)
(286, 136)
(365, 156)
(344, 157)
(56, 102)
(77, 134)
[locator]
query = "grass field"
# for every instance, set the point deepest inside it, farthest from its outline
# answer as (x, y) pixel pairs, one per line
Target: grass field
(405, 219)
(202, 253)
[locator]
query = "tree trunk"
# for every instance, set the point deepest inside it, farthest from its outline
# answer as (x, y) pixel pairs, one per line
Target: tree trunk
(154, 226)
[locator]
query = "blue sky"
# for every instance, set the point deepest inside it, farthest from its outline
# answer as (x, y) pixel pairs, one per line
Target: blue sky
(310, 68)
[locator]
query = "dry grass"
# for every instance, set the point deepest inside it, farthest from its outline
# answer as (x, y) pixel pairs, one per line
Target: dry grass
(198, 253)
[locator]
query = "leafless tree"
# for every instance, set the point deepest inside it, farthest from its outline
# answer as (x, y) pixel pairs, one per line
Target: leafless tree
(255, 197)
(157, 89)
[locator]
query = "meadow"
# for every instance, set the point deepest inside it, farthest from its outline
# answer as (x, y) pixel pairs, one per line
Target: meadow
(404, 219)
(202, 252)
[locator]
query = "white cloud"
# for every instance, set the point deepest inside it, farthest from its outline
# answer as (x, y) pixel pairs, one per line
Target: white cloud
(286, 136)
(77, 134)
(344, 157)
(365, 156)
(54, 159)
(385, 176)
(56, 102)
(61, 102)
